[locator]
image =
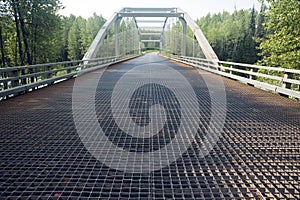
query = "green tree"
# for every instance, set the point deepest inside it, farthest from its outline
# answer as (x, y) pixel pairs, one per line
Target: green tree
(3, 21)
(14, 9)
(45, 29)
(75, 46)
(8, 38)
(66, 24)
(249, 52)
(231, 35)
(32, 31)
(93, 25)
(281, 47)
(241, 37)
(34, 37)
(260, 31)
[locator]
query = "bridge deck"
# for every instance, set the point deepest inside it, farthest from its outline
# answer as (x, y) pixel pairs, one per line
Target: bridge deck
(256, 154)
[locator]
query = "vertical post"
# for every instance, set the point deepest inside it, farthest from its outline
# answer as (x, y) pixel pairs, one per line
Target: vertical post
(14, 83)
(286, 85)
(4, 75)
(106, 41)
(230, 69)
(162, 41)
(160, 46)
(183, 48)
(132, 49)
(140, 51)
(48, 74)
(117, 51)
(139, 42)
(124, 43)
(194, 45)
(287, 75)
(173, 47)
(252, 77)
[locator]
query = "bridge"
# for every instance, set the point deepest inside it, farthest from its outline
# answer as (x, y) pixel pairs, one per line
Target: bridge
(177, 123)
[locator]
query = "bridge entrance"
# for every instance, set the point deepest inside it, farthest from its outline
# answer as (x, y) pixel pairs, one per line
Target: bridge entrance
(161, 28)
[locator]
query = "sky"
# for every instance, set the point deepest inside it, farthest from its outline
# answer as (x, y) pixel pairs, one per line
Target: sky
(195, 8)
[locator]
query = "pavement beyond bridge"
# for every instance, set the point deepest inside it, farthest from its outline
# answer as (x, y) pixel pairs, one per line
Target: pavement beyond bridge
(45, 153)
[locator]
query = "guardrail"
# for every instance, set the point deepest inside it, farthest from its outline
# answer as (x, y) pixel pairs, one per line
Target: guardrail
(285, 82)
(22, 79)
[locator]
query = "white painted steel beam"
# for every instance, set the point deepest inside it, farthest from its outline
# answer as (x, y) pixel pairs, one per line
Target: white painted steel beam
(155, 12)
(150, 40)
(141, 14)
(100, 35)
(204, 44)
(149, 33)
(150, 21)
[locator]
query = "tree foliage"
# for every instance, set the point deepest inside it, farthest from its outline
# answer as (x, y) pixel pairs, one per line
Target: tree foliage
(282, 44)
(232, 35)
(80, 33)
(269, 37)
(32, 31)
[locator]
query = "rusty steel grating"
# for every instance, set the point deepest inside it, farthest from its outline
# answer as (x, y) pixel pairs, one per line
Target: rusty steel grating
(256, 157)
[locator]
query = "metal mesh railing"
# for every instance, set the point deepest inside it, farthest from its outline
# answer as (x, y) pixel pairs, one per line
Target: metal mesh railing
(128, 44)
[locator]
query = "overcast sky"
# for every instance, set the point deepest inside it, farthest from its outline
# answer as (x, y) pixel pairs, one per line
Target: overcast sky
(195, 8)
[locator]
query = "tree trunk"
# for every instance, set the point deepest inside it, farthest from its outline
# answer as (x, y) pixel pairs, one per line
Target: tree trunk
(14, 4)
(2, 48)
(25, 40)
(18, 32)
(3, 59)
(34, 44)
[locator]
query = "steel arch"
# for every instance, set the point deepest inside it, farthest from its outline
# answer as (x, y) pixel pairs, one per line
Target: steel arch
(183, 16)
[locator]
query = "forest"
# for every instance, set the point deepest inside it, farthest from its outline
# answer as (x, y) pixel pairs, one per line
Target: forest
(32, 31)
(269, 37)
(234, 36)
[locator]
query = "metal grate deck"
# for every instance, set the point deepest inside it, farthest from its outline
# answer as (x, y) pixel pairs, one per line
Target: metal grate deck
(257, 155)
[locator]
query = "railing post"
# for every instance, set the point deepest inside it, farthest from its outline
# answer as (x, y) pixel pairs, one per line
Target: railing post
(194, 44)
(252, 77)
(5, 85)
(31, 71)
(23, 80)
(48, 73)
(219, 66)
(286, 85)
(32, 79)
(14, 83)
(69, 71)
(287, 75)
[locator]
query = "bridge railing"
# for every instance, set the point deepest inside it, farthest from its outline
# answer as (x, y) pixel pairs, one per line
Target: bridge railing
(22, 79)
(283, 81)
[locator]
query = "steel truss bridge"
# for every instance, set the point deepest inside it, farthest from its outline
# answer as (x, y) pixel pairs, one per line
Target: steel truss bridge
(173, 124)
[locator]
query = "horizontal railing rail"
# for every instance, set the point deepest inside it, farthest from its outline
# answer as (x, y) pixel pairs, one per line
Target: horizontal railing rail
(22, 79)
(283, 81)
